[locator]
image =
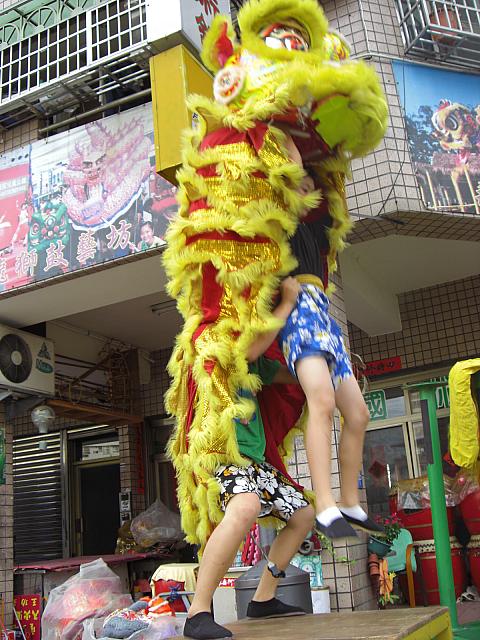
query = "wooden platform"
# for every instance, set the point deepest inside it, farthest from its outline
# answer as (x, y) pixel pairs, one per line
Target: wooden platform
(422, 623)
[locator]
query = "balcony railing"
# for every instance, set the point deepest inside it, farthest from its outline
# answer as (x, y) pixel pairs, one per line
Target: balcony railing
(24, 18)
(93, 55)
(446, 30)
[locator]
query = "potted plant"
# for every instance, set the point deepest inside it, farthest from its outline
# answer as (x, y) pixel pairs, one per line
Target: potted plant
(381, 543)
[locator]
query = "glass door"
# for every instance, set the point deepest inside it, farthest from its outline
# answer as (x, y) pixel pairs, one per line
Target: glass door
(386, 460)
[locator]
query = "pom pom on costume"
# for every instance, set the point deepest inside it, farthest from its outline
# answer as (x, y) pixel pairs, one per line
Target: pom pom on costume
(239, 203)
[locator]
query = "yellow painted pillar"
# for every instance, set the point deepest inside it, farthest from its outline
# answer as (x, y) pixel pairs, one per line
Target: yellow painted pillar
(174, 74)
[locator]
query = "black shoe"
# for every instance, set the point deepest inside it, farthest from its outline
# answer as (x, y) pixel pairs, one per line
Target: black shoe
(366, 525)
(338, 528)
(272, 609)
(202, 626)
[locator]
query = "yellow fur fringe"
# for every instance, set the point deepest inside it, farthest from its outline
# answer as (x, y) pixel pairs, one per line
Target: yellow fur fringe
(235, 206)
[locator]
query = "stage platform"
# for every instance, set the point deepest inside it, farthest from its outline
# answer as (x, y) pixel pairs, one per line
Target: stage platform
(421, 623)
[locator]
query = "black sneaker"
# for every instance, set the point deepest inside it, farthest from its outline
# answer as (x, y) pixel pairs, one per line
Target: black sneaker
(202, 626)
(338, 528)
(272, 609)
(366, 525)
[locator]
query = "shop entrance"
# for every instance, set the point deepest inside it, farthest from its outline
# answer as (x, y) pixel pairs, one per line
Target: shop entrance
(95, 486)
(394, 442)
(99, 484)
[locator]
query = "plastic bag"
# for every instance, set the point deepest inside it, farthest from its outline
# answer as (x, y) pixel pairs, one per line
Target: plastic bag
(414, 494)
(94, 591)
(465, 483)
(156, 524)
(165, 627)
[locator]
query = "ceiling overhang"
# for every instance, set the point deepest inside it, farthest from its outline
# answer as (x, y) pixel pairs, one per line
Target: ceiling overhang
(389, 255)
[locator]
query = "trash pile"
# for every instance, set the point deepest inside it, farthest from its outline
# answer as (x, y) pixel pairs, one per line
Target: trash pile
(157, 529)
(91, 606)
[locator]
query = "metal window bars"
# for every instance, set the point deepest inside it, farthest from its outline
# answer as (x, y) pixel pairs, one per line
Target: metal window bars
(75, 62)
(446, 30)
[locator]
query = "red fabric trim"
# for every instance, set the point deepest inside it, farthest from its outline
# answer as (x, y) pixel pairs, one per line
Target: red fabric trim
(224, 135)
(322, 211)
(225, 235)
(210, 171)
(257, 134)
(224, 46)
(201, 203)
(254, 136)
(192, 392)
(212, 293)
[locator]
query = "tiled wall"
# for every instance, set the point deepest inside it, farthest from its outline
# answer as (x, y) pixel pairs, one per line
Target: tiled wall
(152, 394)
(440, 325)
(6, 532)
(18, 136)
(131, 457)
(384, 181)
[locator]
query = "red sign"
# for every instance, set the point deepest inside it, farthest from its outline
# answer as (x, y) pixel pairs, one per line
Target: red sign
(227, 582)
(381, 367)
(29, 614)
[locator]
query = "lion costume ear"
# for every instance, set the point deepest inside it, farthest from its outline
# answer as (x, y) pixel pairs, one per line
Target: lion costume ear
(219, 44)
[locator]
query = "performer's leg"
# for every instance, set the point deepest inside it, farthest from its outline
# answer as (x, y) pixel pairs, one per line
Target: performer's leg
(284, 547)
(314, 377)
(222, 546)
(351, 405)
(350, 402)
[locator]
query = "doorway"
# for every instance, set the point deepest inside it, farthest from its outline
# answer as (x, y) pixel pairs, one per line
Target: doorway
(386, 461)
(395, 440)
(95, 492)
(100, 513)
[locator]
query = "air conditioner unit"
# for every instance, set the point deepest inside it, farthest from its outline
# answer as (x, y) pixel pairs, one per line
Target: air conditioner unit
(27, 363)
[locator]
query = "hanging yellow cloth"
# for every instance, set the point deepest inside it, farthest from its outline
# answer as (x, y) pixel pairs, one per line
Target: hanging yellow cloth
(464, 423)
(385, 581)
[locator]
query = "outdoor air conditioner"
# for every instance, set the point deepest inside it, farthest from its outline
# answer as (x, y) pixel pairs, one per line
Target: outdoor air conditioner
(26, 363)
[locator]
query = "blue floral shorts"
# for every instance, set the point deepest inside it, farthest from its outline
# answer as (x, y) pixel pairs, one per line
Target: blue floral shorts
(311, 331)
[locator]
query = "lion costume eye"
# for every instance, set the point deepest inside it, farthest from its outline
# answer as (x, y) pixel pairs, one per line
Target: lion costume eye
(451, 123)
(282, 36)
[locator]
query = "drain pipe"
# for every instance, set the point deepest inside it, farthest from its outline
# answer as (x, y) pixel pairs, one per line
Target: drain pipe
(110, 105)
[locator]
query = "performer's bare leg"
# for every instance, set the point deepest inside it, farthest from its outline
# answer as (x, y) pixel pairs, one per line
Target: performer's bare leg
(314, 377)
(351, 405)
(221, 548)
(284, 547)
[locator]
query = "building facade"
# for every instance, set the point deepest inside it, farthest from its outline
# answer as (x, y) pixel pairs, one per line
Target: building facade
(74, 78)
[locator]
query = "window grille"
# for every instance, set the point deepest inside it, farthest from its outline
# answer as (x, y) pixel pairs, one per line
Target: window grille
(448, 30)
(75, 60)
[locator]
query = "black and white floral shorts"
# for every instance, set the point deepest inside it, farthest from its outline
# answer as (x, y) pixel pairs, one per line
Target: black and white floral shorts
(278, 495)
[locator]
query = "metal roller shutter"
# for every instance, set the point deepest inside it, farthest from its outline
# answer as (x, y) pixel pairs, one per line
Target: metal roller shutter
(37, 498)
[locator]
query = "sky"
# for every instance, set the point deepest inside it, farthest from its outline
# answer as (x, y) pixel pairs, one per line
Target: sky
(427, 86)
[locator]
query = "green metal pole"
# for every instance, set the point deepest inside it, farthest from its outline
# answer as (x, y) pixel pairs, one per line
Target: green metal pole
(439, 510)
(441, 536)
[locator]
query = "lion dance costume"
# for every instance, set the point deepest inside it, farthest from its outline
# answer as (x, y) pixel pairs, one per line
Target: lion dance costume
(239, 202)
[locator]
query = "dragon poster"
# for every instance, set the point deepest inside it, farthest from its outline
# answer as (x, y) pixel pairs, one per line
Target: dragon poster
(81, 198)
(442, 113)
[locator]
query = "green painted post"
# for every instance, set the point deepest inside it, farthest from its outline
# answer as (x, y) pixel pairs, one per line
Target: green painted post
(439, 510)
(438, 505)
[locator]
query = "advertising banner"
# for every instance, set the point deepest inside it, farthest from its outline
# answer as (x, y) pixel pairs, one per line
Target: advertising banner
(442, 110)
(81, 198)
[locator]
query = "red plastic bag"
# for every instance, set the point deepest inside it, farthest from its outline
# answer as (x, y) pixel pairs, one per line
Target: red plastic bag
(95, 591)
